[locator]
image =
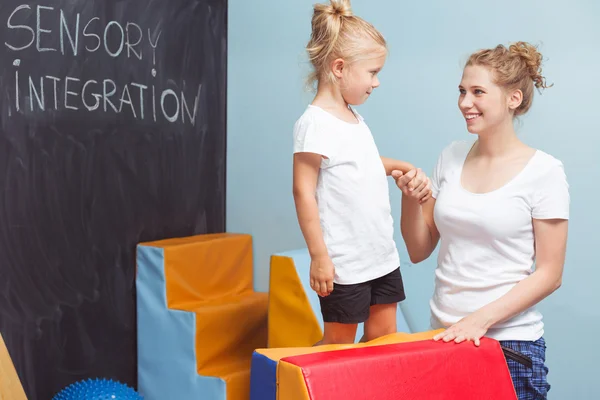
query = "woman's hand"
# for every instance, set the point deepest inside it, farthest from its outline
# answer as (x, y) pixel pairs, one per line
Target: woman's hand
(414, 184)
(471, 328)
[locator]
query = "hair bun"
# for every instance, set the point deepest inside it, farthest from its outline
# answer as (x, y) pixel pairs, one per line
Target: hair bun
(532, 58)
(341, 8)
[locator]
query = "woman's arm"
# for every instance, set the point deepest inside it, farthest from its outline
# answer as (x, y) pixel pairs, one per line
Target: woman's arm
(416, 222)
(550, 246)
(306, 173)
(550, 249)
(418, 228)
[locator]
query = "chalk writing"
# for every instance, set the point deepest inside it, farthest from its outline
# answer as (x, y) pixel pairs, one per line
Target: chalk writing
(31, 26)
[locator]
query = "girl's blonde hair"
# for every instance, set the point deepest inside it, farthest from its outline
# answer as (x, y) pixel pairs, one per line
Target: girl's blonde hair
(338, 33)
(517, 67)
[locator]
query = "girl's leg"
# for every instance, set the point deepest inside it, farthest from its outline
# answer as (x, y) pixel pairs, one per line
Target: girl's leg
(337, 333)
(343, 310)
(386, 292)
(381, 322)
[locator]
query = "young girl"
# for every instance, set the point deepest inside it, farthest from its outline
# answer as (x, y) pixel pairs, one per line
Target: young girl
(498, 206)
(340, 182)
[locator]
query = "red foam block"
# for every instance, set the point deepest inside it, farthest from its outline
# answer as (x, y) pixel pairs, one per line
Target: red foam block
(422, 370)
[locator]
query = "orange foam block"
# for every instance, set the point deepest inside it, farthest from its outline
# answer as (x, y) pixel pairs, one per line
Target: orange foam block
(10, 385)
(199, 319)
(295, 318)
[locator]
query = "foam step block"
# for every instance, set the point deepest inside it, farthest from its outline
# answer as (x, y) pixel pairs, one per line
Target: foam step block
(228, 331)
(199, 320)
(202, 267)
(422, 370)
(295, 318)
(237, 382)
(264, 385)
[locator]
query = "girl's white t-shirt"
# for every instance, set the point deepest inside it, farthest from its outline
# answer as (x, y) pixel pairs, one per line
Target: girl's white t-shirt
(487, 242)
(352, 195)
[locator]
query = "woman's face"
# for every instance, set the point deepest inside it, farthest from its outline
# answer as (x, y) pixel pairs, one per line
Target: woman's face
(481, 101)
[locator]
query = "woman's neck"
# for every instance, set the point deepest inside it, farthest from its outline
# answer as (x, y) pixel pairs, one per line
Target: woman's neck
(497, 142)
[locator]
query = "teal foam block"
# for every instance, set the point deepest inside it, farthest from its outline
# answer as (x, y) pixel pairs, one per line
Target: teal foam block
(166, 339)
(301, 259)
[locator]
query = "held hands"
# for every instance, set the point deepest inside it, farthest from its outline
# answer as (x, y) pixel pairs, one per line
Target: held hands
(471, 328)
(414, 184)
(321, 275)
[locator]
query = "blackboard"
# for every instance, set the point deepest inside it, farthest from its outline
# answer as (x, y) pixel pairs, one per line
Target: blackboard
(112, 132)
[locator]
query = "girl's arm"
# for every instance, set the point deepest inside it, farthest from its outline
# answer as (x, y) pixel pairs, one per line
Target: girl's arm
(390, 165)
(306, 173)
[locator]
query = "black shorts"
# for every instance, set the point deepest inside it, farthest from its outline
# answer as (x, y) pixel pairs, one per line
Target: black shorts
(350, 304)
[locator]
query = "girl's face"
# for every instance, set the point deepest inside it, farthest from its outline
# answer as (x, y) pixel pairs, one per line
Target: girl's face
(483, 103)
(358, 79)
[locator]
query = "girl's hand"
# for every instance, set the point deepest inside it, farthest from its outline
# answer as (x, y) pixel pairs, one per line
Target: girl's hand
(471, 328)
(414, 184)
(321, 275)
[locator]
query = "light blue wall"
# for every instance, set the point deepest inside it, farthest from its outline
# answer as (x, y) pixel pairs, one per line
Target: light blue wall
(413, 115)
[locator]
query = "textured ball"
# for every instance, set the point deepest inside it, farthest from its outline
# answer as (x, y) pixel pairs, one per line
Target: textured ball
(97, 389)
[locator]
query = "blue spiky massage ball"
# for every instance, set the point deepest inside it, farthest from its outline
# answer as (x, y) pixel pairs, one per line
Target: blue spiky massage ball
(97, 389)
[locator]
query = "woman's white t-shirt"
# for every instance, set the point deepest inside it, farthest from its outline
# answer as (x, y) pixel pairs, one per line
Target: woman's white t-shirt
(487, 242)
(352, 195)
